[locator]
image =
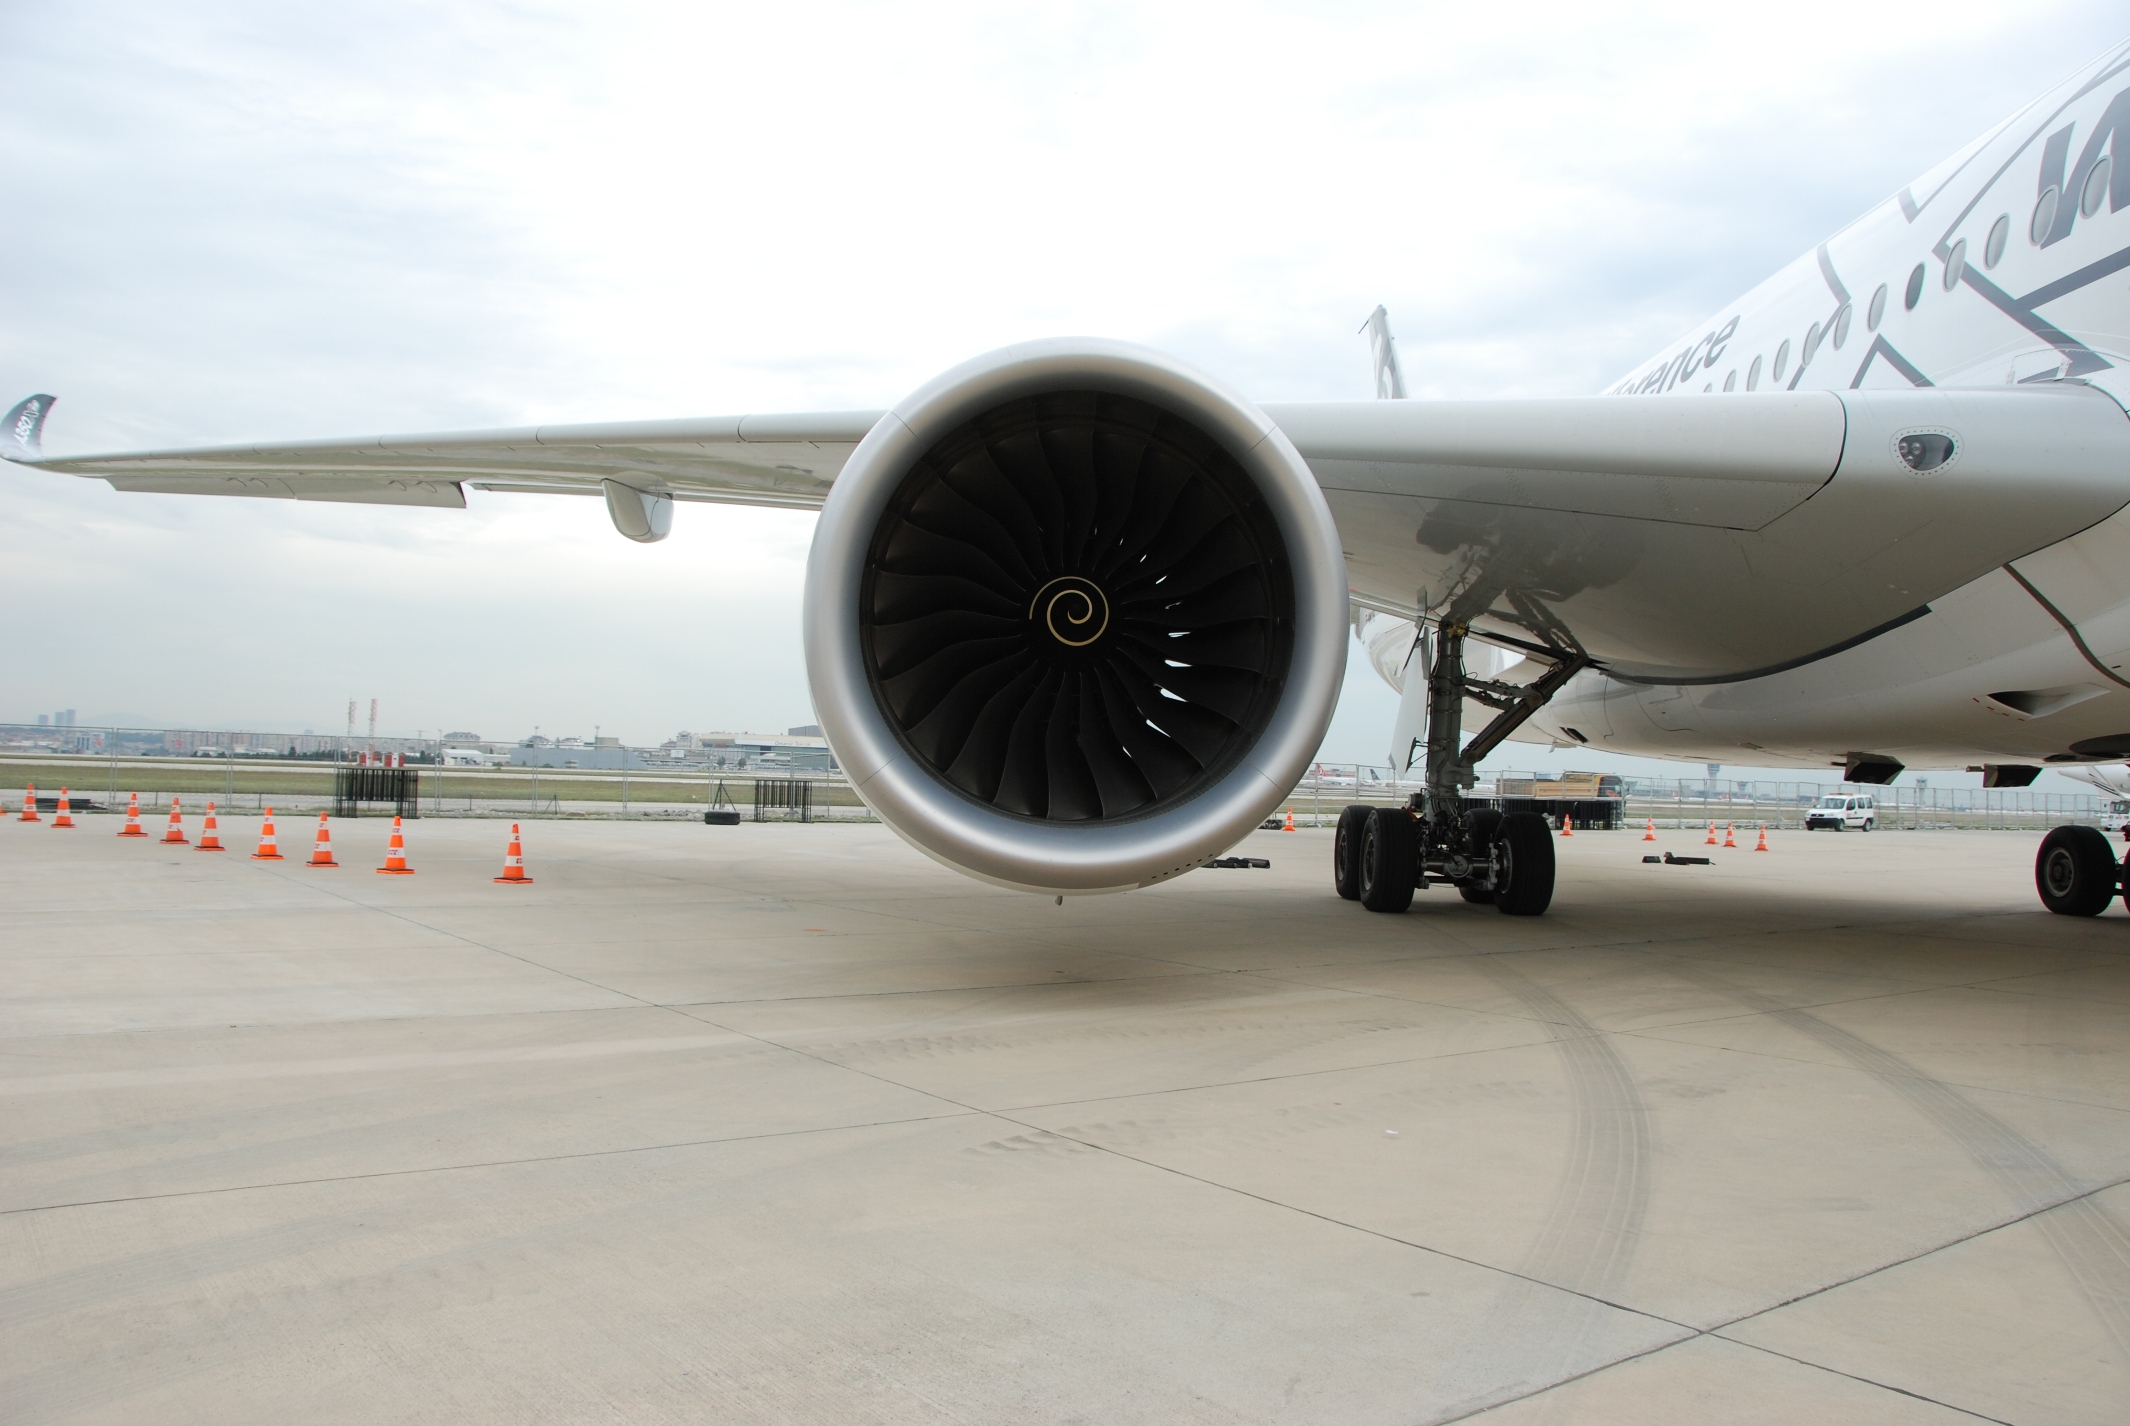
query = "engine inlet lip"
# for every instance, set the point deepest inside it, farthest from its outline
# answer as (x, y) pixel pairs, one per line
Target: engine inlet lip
(1071, 857)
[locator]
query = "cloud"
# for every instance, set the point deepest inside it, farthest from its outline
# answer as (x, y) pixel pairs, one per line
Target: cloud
(246, 220)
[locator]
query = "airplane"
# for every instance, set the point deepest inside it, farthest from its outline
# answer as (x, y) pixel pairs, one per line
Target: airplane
(1076, 615)
(2116, 784)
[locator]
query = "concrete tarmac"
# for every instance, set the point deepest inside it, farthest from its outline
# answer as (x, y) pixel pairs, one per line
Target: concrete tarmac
(785, 1123)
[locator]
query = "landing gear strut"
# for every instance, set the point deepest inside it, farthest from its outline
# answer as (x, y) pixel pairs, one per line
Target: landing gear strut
(1384, 854)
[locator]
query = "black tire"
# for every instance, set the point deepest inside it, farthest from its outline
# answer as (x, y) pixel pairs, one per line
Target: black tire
(1526, 887)
(2075, 871)
(1388, 849)
(1869, 823)
(1484, 829)
(1346, 852)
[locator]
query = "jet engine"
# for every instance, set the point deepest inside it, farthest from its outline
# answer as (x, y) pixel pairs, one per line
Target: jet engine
(1075, 617)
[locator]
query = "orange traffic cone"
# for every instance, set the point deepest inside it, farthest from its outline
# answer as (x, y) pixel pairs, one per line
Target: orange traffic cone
(1711, 835)
(322, 849)
(133, 817)
(175, 832)
(514, 862)
(29, 805)
(269, 847)
(1567, 825)
(396, 855)
(65, 818)
(1728, 839)
(210, 840)
(1651, 834)
(1290, 821)
(1763, 839)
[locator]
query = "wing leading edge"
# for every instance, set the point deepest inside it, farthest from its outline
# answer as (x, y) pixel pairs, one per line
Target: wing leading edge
(787, 461)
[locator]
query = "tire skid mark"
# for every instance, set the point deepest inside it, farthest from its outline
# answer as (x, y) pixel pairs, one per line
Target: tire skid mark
(1255, 1039)
(2093, 1246)
(1532, 1336)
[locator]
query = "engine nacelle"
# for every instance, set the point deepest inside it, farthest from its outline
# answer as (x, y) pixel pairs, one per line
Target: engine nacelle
(1075, 617)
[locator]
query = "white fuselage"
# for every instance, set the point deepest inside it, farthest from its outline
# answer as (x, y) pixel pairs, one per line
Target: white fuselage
(2007, 265)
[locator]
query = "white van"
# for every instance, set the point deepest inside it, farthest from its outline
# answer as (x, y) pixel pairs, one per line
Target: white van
(1843, 811)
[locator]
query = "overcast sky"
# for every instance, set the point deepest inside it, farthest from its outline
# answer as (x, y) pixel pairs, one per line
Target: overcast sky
(239, 220)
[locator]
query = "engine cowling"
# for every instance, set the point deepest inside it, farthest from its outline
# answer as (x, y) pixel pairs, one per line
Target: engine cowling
(1075, 617)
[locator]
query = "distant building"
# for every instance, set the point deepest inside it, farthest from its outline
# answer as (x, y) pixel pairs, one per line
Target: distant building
(811, 730)
(572, 752)
(756, 752)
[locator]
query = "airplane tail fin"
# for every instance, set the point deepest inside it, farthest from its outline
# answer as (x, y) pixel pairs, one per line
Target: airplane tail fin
(22, 436)
(1390, 381)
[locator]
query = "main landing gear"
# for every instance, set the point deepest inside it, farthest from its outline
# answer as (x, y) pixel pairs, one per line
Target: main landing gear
(2076, 873)
(1382, 855)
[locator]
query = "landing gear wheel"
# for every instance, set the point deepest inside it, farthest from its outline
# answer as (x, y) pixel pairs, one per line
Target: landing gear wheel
(2075, 871)
(1389, 847)
(1346, 852)
(1526, 885)
(1484, 829)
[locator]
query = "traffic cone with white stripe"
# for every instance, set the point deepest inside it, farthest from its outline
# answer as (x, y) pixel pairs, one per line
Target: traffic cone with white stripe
(1729, 839)
(514, 862)
(210, 839)
(1290, 821)
(1651, 834)
(29, 805)
(1711, 836)
(269, 847)
(322, 849)
(396, 855)
(174, 834)
(1763, 838)
(65, 817)
(1567, 825)
(133, 817)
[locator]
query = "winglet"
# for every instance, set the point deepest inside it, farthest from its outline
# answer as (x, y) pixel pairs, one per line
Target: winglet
(1390, 382)
(22, 438)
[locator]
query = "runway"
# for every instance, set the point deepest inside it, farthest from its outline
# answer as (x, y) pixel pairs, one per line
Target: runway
(785, 1123)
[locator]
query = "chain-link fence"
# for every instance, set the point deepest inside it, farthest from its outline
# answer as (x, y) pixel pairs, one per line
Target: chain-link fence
(101, 767)
(99, 773)
(1694, 802)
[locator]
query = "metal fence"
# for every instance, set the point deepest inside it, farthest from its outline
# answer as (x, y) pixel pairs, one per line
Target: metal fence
(1694, 802)
(239, 784)
(788, 799)
(353, 787)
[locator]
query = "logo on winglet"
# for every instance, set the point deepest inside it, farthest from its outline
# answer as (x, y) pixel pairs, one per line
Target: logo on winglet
(25, 423)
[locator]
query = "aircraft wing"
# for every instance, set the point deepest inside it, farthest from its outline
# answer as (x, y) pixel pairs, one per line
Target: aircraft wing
(1705, 538)
(745, 460)
(1685, 539)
